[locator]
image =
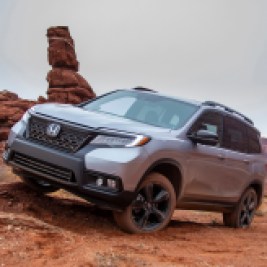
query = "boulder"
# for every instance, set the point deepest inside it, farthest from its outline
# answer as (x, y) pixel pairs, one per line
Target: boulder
(61, 53)
(6, 95)
(61, 50)
(4, 133)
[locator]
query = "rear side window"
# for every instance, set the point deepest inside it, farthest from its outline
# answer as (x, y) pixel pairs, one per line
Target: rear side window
(235, 135)
(254, 146)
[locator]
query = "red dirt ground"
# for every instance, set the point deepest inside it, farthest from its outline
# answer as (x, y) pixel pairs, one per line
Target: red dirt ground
(62, 230)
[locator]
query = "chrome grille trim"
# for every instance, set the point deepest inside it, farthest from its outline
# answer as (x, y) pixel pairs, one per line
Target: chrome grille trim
(70, 139)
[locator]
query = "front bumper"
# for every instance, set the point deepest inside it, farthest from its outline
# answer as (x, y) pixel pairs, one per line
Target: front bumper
(49, 164)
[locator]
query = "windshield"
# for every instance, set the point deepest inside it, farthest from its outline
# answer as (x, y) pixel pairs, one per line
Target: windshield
(144, 107)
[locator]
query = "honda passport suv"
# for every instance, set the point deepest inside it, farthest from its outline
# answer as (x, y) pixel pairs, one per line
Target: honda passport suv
(143, 155)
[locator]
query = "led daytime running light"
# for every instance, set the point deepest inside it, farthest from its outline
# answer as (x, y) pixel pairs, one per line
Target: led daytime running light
(140, 140)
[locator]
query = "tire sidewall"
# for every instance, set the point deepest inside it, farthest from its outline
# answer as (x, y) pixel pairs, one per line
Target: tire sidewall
(234, 219)
(125, 219)
(239, 208)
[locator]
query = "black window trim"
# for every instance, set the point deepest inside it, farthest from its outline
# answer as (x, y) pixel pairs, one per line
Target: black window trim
(205, 111)
(246, 133)
(224, 115)
(258, 139)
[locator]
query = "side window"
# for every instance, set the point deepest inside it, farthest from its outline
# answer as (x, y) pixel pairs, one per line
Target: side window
(253, 141)
(211, 121)
(235, 135)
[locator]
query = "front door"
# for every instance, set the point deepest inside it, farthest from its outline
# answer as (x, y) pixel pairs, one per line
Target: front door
(206, 173)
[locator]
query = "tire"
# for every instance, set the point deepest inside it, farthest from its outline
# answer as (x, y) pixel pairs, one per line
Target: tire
(152, 208)
(243, 213)
(39, 186)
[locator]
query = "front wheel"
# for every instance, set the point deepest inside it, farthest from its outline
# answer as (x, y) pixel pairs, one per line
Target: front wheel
(152, 208)
(243, 214)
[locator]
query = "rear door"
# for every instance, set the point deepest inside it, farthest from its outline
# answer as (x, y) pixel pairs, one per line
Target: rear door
(238, 161)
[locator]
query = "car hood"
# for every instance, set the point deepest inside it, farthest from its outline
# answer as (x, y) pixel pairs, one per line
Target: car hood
(96, 120)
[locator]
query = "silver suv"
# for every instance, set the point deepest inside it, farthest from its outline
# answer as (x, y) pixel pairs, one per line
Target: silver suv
(143, 154)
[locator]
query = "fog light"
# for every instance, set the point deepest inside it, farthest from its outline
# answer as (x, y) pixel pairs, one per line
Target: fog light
(99, 181)
(111, 183)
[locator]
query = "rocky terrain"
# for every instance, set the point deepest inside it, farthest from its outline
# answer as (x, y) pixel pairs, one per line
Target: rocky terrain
(62, 230)
(11, 110)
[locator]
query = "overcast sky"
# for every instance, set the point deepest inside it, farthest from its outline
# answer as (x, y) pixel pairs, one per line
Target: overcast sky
(203, 50)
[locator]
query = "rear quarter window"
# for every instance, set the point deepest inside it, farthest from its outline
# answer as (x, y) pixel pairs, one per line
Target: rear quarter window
(235, 135)
(254, 146)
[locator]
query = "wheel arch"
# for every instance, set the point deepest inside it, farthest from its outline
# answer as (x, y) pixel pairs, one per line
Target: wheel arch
(258, 187)
(171, 169)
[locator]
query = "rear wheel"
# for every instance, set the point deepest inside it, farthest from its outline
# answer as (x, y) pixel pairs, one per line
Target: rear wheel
(152, 208)
(243, 214)
(39, 186)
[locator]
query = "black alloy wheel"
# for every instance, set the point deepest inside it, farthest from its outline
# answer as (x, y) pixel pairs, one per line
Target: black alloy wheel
(152, 208)
(242, 216)
(248, 207)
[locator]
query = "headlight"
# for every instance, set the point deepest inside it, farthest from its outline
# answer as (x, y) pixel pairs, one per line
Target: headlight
(120, 141)
(25, 118)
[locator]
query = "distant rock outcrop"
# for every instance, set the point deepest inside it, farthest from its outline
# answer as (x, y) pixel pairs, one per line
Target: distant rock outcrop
(66, 85)
(11, 110)
(264, 145)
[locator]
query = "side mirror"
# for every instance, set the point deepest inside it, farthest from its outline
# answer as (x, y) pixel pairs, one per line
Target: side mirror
(204, 137)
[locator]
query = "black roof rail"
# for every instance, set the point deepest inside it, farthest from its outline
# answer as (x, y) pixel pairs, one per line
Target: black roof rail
(140, 88)
(215, 104)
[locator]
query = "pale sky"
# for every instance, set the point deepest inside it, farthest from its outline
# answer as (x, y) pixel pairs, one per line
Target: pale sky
(197, 49)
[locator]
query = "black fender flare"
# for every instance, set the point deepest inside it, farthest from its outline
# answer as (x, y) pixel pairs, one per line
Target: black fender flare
(159, 162)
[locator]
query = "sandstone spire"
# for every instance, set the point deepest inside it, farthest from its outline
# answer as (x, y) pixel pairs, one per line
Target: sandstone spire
(66, 85)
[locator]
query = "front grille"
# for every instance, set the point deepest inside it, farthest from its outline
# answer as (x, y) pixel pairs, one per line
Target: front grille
(42, 167)
(70, 139)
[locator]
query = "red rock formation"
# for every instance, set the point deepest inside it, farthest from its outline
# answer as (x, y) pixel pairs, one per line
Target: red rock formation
(264, 144)
(65, 84)
(11, 110)
(2, 144)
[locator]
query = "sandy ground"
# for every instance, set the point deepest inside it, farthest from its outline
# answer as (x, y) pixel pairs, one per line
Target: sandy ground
(62, 230)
